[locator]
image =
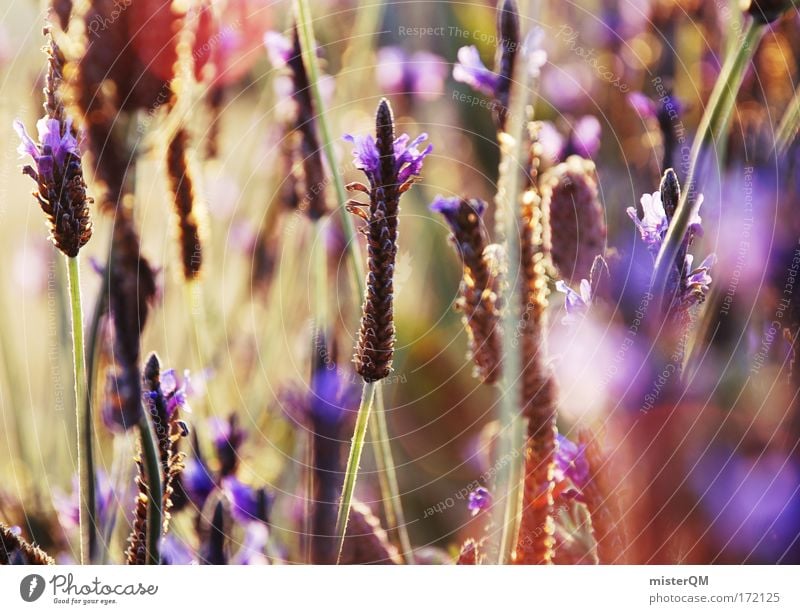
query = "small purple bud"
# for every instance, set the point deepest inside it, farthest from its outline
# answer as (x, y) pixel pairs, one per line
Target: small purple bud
(479, 500)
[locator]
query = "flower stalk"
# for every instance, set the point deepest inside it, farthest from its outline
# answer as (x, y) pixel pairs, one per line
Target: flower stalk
(514, 143)
(152, 468)
(61, 194)
(83, 415)
(357, 269)
(353, 460)
(713, 125)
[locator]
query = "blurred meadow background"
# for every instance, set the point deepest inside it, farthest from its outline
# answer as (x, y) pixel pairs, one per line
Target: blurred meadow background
(705, 470)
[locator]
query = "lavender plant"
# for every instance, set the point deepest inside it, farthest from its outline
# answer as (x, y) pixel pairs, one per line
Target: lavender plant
(480, 285)
(391, 166)
(61, 194)
(267, 482)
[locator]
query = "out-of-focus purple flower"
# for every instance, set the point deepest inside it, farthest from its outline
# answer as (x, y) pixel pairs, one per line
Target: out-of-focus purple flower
(753, 503)
(533, 53)
(330, 397)
(30, 266)
(575, 304)
(228, 437)
(249, 504)
(197, 481)
(571, 464)
(583, 139)
(407, 155)
(479, 500)
(326, 404)
(256, 537)
(105, 501)
(420, 75)
(552, 142)
(53, 149)
(175, 551)
(647, 108)
(644, 106)
(279, 48)
(471, 70)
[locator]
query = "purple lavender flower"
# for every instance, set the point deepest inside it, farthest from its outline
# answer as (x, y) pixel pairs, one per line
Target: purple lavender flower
(324, 410)
(105, 501)
(331, 398)
(175, 392)
(644, 106)
(61, 191)
(535, 55)
(228, 438)
(752, 502)
(697, 282)
(576, 305)
(647, 108)
(450, 208)
(256, 537)
(52, 153)
(175, 551)
(420, 75)
(365, 153)
(479, 500)
(583, 139)
(571, 470)
(279, 48)
(689, 285)
(666, 112)
(472, 71)
(249, 504)
(654, 223)
(197, 481)
(409, 158)
(407, 155)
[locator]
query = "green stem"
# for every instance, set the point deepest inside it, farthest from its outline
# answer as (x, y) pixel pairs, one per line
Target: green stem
(394, 510)
(83, 415)
(353, 460)
(713, 125)
(309, 45)
(511, 458)
(512, 473)
(357, 269)
(152, 468)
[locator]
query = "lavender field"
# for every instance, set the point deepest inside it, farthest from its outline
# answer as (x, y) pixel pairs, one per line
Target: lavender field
(403, 282)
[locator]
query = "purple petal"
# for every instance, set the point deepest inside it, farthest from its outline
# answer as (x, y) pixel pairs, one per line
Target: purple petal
(249, 504)
(427, 74)
(390, 70)
(279, 48)
(471, 70)
(586, 136)
(645, 107)
(479, 499)
(365, 153)
(26, 147)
